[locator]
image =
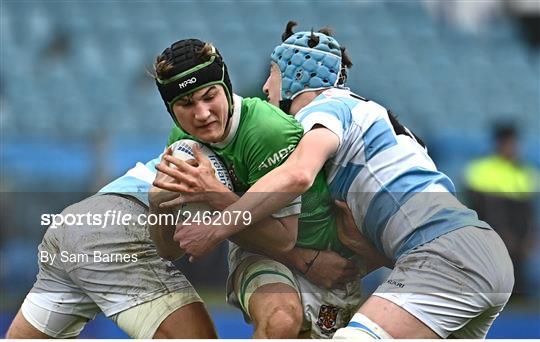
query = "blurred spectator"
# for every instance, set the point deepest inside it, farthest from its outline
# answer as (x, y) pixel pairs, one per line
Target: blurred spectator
(501, 190)
(469, 16)
(527, 13)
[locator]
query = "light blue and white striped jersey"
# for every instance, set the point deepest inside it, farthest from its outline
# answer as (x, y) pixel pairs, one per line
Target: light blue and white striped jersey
(136, 182)
(398, 197)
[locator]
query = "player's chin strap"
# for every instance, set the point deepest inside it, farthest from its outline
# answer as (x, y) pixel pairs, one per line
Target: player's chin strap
(231, 112)
(285, 105)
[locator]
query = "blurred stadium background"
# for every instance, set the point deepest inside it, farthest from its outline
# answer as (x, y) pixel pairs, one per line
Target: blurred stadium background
(78, 107)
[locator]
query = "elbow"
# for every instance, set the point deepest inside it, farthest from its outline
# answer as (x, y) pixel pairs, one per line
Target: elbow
(289, 243)
(282, 248)
(289, 246)
(301, 180)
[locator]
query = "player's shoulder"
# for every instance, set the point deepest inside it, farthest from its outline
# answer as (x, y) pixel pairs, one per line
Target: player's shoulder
(267, 118)
(177, 134)
(255, 105)
(331, 101)
(266, 131)
(260, 108)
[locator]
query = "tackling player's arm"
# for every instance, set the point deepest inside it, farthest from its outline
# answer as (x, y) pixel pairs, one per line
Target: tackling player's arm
(162, 234)
(286, 182)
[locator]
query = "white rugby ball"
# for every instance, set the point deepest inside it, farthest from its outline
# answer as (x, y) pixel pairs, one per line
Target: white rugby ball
(182, 149)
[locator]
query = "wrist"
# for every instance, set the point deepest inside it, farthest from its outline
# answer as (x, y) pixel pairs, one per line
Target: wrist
(224, 232)
(222, 200)
(296, 258)
(153, 196)
(309, 264)
(302, 258)
(356, 245)
(156, 196)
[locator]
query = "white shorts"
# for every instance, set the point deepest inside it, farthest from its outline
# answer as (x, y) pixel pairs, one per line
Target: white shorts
(78, 286)
(456, 284)
(324, 310)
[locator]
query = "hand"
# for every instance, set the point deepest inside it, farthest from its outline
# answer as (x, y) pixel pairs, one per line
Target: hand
(350, 236)
(330, 270)
(194, 178)
(348, 232)
(157, 195)
(197, 240)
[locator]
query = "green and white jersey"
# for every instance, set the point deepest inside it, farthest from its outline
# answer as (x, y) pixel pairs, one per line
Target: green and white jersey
(260, 139)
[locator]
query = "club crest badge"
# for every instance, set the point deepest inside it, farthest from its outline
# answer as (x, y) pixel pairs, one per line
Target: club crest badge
(327, 319)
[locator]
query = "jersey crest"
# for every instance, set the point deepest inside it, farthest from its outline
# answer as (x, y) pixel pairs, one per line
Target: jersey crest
(327, 319)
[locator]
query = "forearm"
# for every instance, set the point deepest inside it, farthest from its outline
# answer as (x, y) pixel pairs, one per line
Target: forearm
(297, 258)
(270, 237)
(270, 194)
(286, 182)
(162, 235)
(224, 199)
(372, 257)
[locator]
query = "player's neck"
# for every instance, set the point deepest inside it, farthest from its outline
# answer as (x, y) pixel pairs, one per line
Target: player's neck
(303, 100)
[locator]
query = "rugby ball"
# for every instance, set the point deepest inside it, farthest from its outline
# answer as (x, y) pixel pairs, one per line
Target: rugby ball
(182, 149)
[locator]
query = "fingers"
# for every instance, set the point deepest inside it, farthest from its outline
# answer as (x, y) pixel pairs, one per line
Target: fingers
(163, 162)
(176, 236)
(197, 151)
(192, 162)
(173, 187)
(182, 199)
(166, 151)
(179, 237)
(177, 174)
(181, 165)
(351, 274)
(172, 203)
(170, 171)
(341, 205)
(179, 227)
(340, 225)
(199, 156)
(349, 265)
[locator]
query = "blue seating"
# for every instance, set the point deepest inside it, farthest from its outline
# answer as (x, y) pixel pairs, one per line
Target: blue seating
(85, 63)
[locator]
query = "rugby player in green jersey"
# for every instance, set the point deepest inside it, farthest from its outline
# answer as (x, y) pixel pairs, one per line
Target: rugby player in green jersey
(252, 137)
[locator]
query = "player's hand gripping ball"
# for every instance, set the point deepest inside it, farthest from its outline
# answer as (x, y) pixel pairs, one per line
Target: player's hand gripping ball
(183, 150)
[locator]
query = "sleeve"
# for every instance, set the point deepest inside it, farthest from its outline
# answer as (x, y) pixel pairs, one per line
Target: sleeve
(330, 113)
(293, 208)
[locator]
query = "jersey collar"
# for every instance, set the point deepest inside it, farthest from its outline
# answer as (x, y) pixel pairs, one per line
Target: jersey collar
(235, 121)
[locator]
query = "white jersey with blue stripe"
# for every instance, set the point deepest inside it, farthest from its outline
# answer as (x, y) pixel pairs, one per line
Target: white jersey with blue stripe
(398, 197)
